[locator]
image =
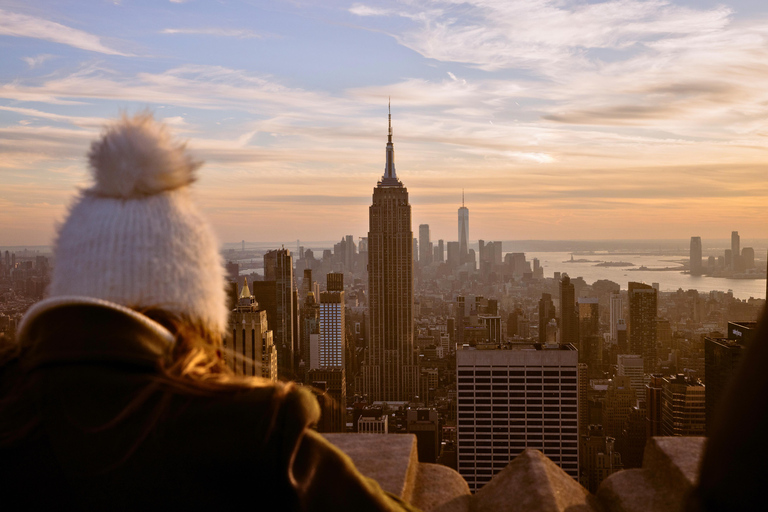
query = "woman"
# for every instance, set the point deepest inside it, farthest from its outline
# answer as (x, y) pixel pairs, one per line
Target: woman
(115, 395)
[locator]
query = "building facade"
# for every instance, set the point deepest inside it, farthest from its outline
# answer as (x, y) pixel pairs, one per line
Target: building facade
(642, 323)
(250, 350)
(391, 371)
(510, 400)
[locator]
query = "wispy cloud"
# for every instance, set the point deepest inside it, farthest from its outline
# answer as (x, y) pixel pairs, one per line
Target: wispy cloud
(37, 60)
(217, 32)
(22, 25)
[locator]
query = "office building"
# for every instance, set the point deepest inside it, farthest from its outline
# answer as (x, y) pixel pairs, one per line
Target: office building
(622, 341)
(454, 254)
(748, 258)
(616, 311)
(619, 399)
(440, 251)
(424, 424)
(332, 323)
(390, 372)
(513, 399)
(250, 350)
(631, 365)
(653, 405)
(721, 361)
(330, 386)
(425, 246)
(599, 458)
(736, 250)
(278, 269)
(569, 317)
(683, 407)
(590, 341)
(546, 314)
(695, 256)
(642, 323)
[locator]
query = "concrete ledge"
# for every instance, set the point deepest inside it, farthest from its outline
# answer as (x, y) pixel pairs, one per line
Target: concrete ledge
(670, 471)
(390, 459)
(438, 485)
(531, 482)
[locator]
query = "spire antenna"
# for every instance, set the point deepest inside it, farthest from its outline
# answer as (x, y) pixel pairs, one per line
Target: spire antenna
(462, 198)
(389, 108)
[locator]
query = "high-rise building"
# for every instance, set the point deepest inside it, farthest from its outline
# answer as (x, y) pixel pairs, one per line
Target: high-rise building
(748, 258)
(534, 405)
(683, 409)
(695, 256)
(424, 424)
(617, 313)
(569, 318)
(619, 399)
(546, 313)
(599, 458)
(622, 343)
(454, 254)
(642, 323)
(631, 365)
(441, 251)
(278, 267)
(590, 341)
(721, 360)
(332, 323)
(252, 351)
(463, 231)
(736, 250)
(425, 248)
(391, 372)
(653, 405)
(331, 386)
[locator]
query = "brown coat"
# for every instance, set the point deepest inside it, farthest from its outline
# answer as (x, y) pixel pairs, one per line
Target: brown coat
(178, 450)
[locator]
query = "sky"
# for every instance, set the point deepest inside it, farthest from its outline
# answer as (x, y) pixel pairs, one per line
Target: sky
(559, 119)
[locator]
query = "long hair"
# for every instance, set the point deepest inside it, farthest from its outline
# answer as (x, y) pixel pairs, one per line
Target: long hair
(194, 365)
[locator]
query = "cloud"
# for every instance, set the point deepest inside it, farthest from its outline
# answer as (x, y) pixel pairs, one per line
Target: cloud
(532, 34)
(37, 60)
(216, 31)
(21, 25)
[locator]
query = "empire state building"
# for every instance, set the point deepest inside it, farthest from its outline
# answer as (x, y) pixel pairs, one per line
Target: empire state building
(390, 372)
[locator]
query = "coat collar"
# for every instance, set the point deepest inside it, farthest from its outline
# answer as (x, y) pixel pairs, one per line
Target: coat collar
(84, 329)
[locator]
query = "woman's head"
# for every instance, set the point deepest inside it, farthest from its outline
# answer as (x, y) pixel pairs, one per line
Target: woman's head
(136, 237)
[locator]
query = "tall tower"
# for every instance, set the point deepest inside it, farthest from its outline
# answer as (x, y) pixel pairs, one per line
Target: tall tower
(390, 372)
(425, 248)
(569, 317)
(617, 313)
(695, 256)
(463, 231)
(642, 323)
(736, 250)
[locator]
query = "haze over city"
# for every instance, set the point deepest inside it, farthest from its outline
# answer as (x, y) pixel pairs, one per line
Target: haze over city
(561, 120)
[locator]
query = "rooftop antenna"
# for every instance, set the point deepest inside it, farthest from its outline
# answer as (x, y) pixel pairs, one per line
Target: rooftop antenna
(462, 198)
(389, 108)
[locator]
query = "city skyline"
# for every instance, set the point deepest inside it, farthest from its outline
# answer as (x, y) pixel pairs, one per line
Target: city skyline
(285, 103)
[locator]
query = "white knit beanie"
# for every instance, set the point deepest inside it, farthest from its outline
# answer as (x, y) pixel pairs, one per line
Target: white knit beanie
(136, 238)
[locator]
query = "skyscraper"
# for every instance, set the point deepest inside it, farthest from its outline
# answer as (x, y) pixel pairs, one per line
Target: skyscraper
(278, 267)
(489, 434)
(546, 313)
(390, 372)
(425, 248)
(617, 313)
(332, 323)
(695, 256)
(736, 250)
(642, 323)
(569, 318)
(252, 351)
(463, 231)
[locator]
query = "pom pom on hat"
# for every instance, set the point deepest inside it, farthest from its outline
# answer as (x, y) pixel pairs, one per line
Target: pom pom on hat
(137, 157)
(136, 237)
